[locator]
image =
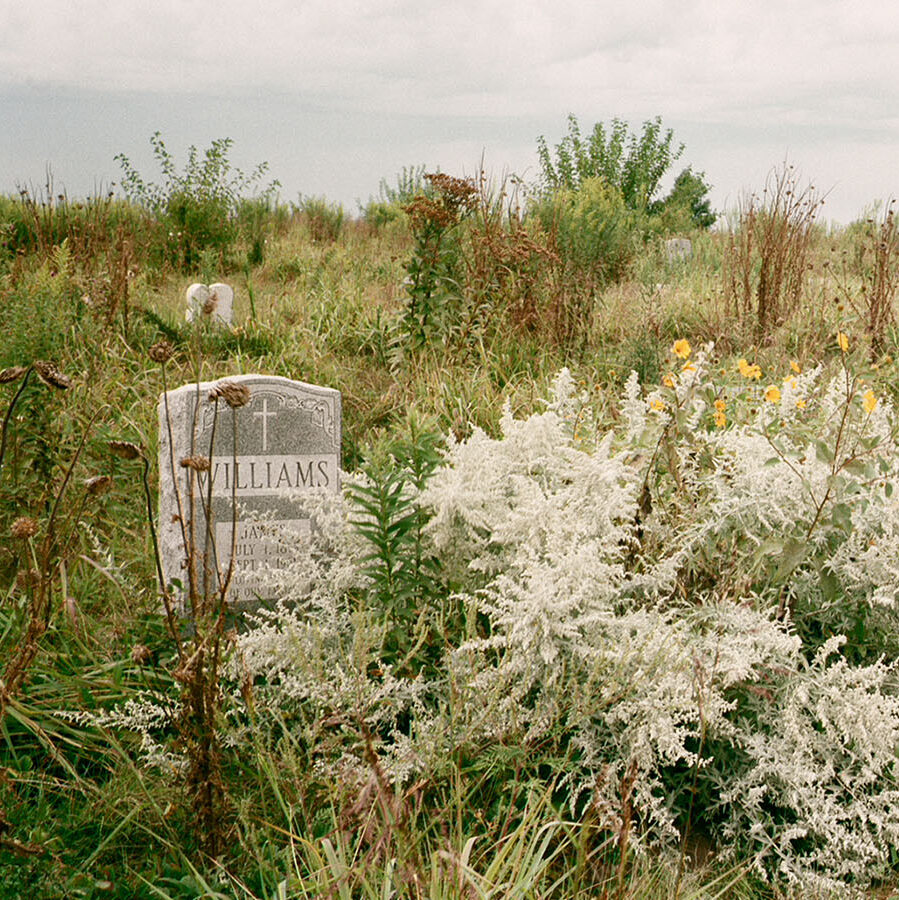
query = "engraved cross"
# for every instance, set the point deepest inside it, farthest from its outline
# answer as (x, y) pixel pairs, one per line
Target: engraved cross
(265, 414)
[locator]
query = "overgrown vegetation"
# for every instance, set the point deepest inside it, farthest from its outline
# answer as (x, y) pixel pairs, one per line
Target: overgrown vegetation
(607, 606)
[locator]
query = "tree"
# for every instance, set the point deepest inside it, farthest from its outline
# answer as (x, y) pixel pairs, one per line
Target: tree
(687, 202)
(634, 165)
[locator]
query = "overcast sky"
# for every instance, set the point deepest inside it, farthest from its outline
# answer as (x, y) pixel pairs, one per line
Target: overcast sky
(337, 95)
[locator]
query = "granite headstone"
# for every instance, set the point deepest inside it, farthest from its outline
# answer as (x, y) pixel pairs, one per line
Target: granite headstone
(678, 249)
(260, 458)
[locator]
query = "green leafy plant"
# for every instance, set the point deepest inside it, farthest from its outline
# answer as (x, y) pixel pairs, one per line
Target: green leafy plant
(433, 286)
(325, 220)
(196, 209)
(388, 206)
(634, 165)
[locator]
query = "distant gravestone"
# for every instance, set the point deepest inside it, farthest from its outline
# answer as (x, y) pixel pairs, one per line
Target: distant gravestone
(678, 249)
(213, 302)
(261, 457)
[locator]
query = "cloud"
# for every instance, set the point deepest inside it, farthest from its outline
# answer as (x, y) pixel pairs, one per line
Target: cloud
(747, 78)
(472, 57)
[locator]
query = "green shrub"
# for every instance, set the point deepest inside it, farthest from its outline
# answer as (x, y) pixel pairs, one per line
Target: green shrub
(633, 165)
(434, 285)
(388, 206)
(325, 220)
(194, 211)
(596, 233)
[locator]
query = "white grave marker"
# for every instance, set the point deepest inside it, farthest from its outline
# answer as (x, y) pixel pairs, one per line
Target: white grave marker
(213, 302)
(287, 440)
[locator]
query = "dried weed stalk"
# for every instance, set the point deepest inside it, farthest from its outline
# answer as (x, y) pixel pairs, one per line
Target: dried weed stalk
(767, 253)
(202, 643)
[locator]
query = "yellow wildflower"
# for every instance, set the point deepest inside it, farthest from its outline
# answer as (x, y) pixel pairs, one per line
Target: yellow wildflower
(801, 404)
(843, 341)
(657, 405)
(720, 419)
(795, 366)
(869, 402)
(748, 370)
(720, 405)
(682, 348)
(670, 380)
(772, 393)
(688, 367)
(790, 380)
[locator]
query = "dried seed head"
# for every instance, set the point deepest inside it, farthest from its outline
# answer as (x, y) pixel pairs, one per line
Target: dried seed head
(212, 301)
(99, 484)
(24, 527)
(14, 373)
(141, 654)
(51, 376)
(124, 449)
(235, 395)
(27, 579)
(197, 463)
(161, 351)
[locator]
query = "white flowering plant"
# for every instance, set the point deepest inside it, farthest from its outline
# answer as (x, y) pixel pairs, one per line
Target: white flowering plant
(636, 612)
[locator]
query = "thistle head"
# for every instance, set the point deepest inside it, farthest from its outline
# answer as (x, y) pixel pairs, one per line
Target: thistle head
(234, 394)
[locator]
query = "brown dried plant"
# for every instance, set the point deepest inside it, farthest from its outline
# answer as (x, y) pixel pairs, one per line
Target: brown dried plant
(880, 279)
(201, 645)
(44, 543)
(767, 253)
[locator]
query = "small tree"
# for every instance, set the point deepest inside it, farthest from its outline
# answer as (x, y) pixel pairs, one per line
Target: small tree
(687, 204)
(635, 165)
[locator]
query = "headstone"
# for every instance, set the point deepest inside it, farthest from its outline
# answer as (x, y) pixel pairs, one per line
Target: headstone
(212, 302)
(678, 249)
(257, 459)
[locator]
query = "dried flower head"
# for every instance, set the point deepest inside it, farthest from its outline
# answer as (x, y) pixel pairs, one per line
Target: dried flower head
(14, 373)
(141, 654)
(24, 527)
(27, 579)
(234, 394)
(161, 352)
(98, 484)
(124, 449)
(212, 301)
(51, 376)
(197, 463)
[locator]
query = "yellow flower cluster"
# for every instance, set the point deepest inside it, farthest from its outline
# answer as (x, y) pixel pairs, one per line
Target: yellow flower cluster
(772, 393)
(682, 348)
(869, 402)
(747, 370)
(720, 417)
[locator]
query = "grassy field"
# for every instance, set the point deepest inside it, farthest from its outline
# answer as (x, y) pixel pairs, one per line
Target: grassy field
(562, 620)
